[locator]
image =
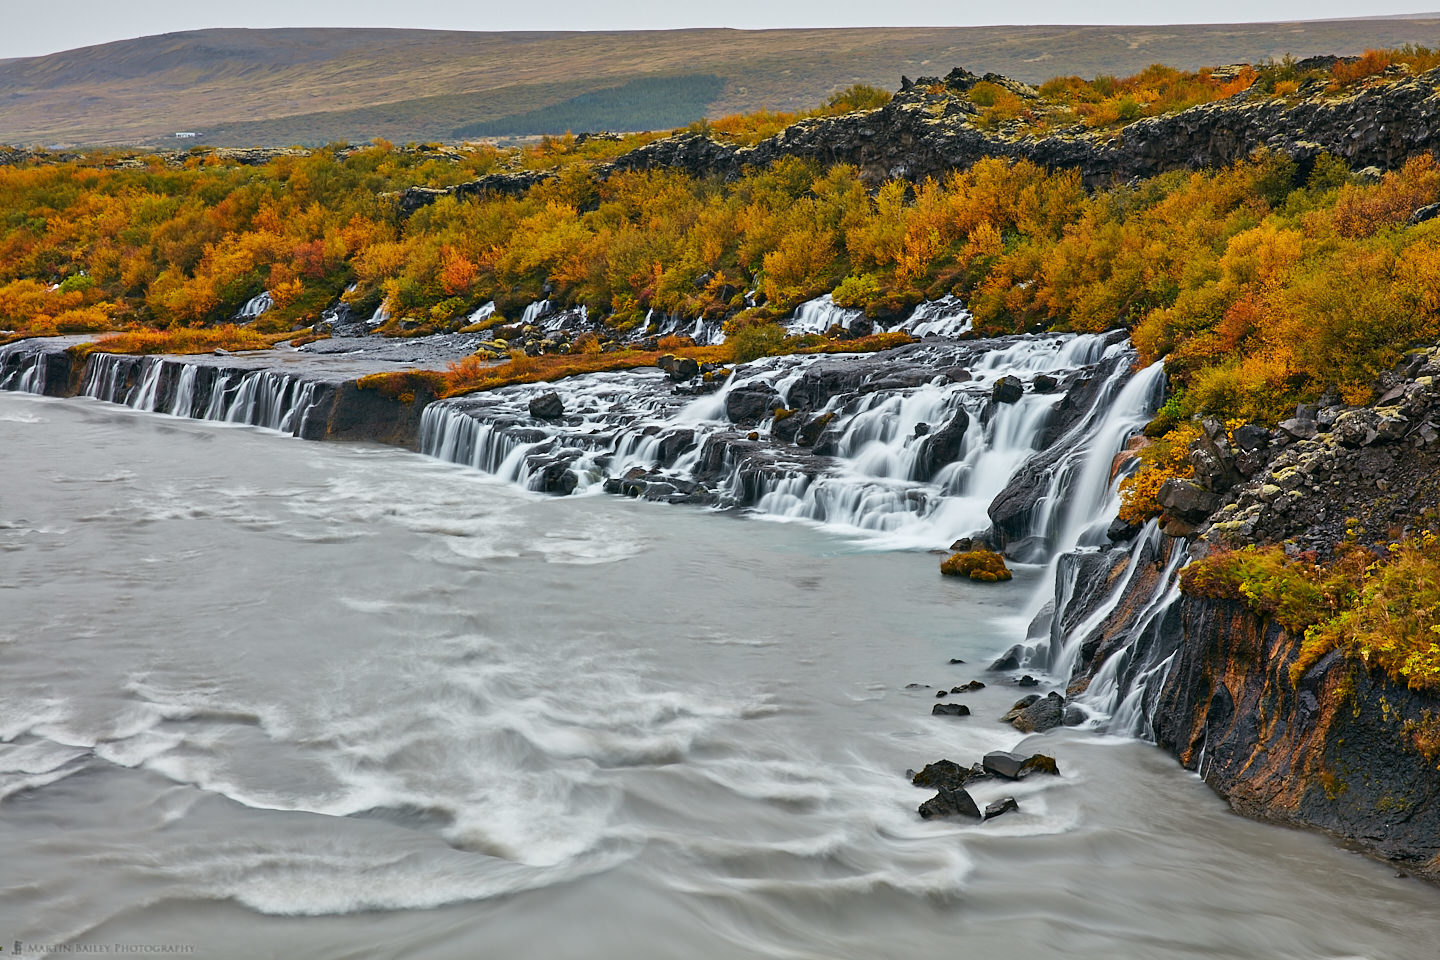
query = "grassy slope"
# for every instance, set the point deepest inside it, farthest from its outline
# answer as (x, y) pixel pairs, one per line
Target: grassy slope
(246, 87)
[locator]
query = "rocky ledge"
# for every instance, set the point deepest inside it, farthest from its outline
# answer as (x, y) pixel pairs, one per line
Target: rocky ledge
(928, 129)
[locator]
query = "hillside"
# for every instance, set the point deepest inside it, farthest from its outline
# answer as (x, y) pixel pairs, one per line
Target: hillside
(278, 87)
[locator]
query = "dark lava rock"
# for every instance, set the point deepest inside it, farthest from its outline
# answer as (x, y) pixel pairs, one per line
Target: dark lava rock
(1074, 716)
(787, 424)
(547, 406)
(917, 686)
(1012, 766)
(557, 478)
(1120, 531)
(751, 402)
(1003, 805)
(1018, 706)
(950, 803)
(683, 368)
(950, 710)
(942, 693)
(1044, 383)
(1185, 500)
(1252, 437)
(967, 687)
(1044, 714)
(921, 429)
(1027, 681)
(956, 660)
(675, 443)
(943, 446)
(1007, 390)
(1010, 659)
(810, 431)
(943, 773)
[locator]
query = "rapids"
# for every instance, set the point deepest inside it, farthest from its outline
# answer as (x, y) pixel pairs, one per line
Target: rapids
(265, 697)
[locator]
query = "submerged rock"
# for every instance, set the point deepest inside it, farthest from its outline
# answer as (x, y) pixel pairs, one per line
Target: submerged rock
(943, 773)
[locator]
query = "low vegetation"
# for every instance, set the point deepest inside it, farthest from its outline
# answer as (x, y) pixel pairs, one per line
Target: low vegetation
(1381, 611)
(987, 566)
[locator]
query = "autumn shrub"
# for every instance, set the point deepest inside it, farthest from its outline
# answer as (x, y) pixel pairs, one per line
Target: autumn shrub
(183, 340)
(1382, 612)
(986, 566)
(755, 340)
(1163, 460)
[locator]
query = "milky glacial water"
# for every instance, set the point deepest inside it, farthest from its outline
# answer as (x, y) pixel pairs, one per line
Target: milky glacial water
(265, 697)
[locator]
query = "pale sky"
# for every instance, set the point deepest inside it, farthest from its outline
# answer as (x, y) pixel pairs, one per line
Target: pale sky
(32, 28)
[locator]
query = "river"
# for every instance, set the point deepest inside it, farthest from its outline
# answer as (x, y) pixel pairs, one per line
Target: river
(264, 697)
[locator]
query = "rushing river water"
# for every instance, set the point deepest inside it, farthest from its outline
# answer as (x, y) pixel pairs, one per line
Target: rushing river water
(273, 698)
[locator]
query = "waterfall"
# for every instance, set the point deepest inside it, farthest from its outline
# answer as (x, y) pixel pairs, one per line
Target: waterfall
(261, 398)
(946, 317)
(875, 474)
(255, 306)
(819, 315)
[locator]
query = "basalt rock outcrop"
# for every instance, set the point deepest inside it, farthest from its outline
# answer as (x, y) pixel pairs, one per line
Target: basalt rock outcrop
(928, 129)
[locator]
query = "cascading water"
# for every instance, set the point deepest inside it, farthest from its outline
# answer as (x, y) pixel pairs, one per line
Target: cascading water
(255, 306)
(879, 466)
(819, 315)
(261, 398)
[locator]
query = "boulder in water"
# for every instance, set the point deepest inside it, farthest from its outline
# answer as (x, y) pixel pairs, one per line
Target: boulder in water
(943, 773)
(557, 478)
(1007, 390)
(950, 710)
(943, 446)
(1044, 383)
(1012, 766)
(1044, 714)
(950, 803)
(1003, 805)
(1010, 659)
(751, 402)
(1018, 706)
(547, 406)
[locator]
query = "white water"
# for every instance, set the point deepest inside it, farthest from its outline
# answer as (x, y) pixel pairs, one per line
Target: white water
(875, 485)
(261, 398)
(255, 306)
(315, 700)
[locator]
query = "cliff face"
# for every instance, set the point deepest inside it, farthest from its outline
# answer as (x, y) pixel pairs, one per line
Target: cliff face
(1336, 750)
(1342, 747)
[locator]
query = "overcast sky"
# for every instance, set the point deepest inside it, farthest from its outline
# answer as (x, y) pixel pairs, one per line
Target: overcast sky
(32, 27)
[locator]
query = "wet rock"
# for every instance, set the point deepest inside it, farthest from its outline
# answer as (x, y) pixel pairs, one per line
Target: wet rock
(1007, 390)
(1120, 531)
(1027, 681)
(1044, 714)
(1002, 806)
(751, 403)
(942, 773)
(954, 660)
(787, 424)
(1012, 766)
(1044, 383)
(810, 431)
(917, 686)
(1074, 716)
(557, 478)
(942, 693)
(547, 406)
(1010, 659)
(950, 803)
(921, 429)
(674, 444)
(967, 687)
(943, 446)
(950, 710)
(1019, 706)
